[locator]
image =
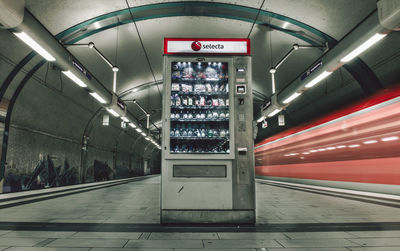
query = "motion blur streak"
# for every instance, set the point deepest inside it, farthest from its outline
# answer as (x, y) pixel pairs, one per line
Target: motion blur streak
(294, 154)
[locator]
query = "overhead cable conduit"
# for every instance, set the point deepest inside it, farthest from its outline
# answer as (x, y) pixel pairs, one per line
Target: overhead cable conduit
(30, 29)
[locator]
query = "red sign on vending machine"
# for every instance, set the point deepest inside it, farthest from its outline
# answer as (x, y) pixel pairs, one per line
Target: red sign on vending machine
(224, 46)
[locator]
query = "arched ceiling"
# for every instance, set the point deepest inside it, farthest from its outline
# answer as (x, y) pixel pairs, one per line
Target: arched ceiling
(279, 25)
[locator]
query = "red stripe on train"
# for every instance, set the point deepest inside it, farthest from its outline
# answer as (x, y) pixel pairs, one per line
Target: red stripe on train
(378, 171)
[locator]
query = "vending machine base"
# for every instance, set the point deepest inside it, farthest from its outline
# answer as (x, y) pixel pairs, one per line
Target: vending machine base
(208, 216)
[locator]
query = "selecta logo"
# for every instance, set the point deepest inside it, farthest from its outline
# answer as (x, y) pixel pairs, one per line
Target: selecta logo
(196, 46)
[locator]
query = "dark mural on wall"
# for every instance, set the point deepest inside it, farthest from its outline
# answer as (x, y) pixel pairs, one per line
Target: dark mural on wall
(45, 174)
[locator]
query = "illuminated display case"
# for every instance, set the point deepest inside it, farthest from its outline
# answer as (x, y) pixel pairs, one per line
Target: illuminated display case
(199, 108)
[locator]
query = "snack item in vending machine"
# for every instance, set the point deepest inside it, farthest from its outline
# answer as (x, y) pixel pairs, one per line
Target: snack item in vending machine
(216, 88)
(215, 102)
(185, 116)
(221, 102)
(227, 114)
(202, 101)
(222, 88)
(177, 100)
(202, 115)
(222, 115)
(190, 115)
(172, 115)
(188, 73)
(175, 87)
(177, 115)
(196, 101)
(190, 101)
(184, 101)
(198, 116)
(209, 114)
(222, 133)
(177, 132)
(172, 100)
(215, 114)
(172, 133)
(227, 87)
(208, 87)
(199, 88)
(227, 102)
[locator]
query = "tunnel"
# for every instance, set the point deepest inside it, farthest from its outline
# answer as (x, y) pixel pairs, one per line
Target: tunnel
(200, 125)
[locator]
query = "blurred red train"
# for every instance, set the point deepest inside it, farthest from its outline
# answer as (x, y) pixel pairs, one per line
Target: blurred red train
(356, 148)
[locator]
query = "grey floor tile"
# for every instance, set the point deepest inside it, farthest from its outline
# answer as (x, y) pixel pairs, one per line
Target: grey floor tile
(3, 232)
(378, 234)
(318, 235)
(27, 242)
(108, 235)
(182, 236)
(135, 249)
(38, 234)
(306, 249)
(252, 236)
(378, 242)
(3, 248)
(374, 249)
(230, 249)
(46, 249)
(316, 243)
(87, 242)
(164, 244)
(228, 244)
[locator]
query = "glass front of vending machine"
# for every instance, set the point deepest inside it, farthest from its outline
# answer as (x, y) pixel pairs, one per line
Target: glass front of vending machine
(199, 108)
(200, 182)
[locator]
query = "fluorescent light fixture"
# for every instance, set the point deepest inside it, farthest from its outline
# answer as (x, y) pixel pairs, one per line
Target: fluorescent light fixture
(390, 138)
(313, 151)
(147, 138)
(364, 46)
(97, 96)
(340, 147)
(260, 119)
(74, 78)
(370, 142)
(144, 134)
(274, 112)
(114, 113)
(132, 125)
(292, 97)
(318, 79)
(331, 148)
(125, 119)
(35, 46)
(305, 153)
(321, 150)
(138, 130)
(285, 25)
(354, 146)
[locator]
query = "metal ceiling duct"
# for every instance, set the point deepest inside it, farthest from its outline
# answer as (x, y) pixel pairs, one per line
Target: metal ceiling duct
(331, 61)
(11, 13)
(67, 62)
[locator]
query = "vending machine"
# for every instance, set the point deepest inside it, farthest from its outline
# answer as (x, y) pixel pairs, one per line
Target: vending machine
(207, 143)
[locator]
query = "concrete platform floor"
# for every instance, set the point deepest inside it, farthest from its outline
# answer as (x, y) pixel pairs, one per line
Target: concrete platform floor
(126, 217)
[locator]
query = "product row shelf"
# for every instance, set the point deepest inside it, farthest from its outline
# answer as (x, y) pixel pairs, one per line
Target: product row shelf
(201, 120)
(198, 138)
(205, 93)
(193, 107)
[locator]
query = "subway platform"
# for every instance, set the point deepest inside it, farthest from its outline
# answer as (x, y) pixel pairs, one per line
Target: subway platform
(124, 215)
